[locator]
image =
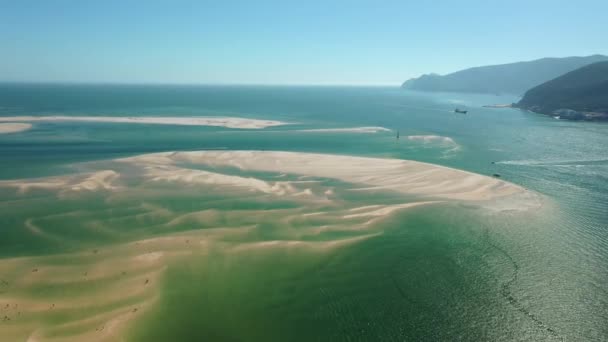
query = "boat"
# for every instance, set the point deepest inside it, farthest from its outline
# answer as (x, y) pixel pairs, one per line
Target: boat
(461, 111)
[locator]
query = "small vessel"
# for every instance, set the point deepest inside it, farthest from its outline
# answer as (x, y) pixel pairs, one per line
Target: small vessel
(397, 135)
(461, 111)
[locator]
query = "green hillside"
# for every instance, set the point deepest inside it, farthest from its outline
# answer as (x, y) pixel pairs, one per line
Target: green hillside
(579, 94)
(513, 78)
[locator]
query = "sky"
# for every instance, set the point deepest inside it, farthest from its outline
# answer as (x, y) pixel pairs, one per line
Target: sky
(285, 42)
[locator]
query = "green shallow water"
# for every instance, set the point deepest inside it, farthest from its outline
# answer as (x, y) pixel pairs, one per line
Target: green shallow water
(441, 272)
(412, 283)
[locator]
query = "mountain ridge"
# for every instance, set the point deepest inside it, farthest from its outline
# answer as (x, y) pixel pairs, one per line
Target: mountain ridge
(581, 94)
(510, 78)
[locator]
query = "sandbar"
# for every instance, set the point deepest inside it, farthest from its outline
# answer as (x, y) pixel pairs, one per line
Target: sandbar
(13, 127)
(116, 284)
(216, 121)
(404, 176)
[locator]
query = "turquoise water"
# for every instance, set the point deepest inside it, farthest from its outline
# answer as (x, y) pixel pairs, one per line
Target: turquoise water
(437, 273)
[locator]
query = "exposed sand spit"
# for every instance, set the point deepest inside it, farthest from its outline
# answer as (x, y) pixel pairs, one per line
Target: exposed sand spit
(408, 177)
(14, 127)
(218, 121)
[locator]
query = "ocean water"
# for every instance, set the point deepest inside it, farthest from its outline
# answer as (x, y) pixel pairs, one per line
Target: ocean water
(447, 271)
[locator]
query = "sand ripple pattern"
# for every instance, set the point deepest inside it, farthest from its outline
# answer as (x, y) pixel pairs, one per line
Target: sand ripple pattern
(104, 264)
(407, 177)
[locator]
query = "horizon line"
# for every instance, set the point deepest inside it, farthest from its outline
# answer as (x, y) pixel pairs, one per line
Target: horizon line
(220, 84)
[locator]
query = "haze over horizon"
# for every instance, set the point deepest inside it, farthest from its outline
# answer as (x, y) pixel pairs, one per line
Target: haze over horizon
(276, 43)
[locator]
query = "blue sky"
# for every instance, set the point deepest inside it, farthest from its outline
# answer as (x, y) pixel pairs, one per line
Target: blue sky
(285, 42)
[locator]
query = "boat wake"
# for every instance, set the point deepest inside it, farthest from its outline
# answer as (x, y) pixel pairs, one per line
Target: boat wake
(447, 143)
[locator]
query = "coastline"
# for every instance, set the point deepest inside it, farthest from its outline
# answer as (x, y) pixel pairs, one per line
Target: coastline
(404, 176)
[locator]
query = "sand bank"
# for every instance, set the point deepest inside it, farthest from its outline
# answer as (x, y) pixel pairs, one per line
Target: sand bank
(189, 176)
(96, 293)
(218, 121)
(408, 177)
(14, 127)
(371, 129)
(370, 174)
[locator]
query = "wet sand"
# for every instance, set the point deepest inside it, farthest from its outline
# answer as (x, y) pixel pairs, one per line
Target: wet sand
(408, 177)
